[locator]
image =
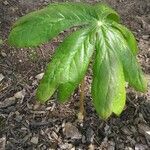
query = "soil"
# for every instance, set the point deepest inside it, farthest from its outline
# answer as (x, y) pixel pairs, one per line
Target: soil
(28, 125)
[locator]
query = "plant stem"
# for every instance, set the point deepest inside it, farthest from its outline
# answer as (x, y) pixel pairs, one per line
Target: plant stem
(82, 110)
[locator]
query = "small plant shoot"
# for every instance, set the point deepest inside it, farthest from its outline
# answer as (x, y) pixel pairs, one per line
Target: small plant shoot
(99, 36)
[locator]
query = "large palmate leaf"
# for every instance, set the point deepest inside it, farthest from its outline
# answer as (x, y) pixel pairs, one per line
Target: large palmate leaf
(99, 31)
(68, 65)
(42, 25)
(108, 87)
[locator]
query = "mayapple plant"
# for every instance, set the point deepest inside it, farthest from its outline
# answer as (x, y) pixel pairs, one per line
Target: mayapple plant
(100, 37)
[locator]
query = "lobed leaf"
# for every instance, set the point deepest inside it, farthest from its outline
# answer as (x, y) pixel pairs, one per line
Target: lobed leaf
(108, 86)
(105, 12)
(128, 36)
(68, 65)
(41, 26)
(132, 71)
(78, 66)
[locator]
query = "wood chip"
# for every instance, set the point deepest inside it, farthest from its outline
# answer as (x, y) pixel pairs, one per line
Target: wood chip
(1, 77)
(2, 143)
(70, 131)
(34, 140)
(39, 76)
(8, 102)
(20, 94)
(144, 130)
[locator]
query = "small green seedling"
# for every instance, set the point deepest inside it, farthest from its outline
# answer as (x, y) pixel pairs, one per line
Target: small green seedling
(100, 36)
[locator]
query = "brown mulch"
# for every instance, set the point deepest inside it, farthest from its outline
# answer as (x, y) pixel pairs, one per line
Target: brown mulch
(26, 124)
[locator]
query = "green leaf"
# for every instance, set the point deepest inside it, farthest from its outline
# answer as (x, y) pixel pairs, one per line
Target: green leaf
(42, 25)
(132, 71)
(65, 90)
(68, 65)
(78, 65)
(128, 36)
(108, 86)
(105, 12)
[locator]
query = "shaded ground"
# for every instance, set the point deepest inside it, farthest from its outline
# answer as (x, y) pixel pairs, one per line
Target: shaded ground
(24, 124)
